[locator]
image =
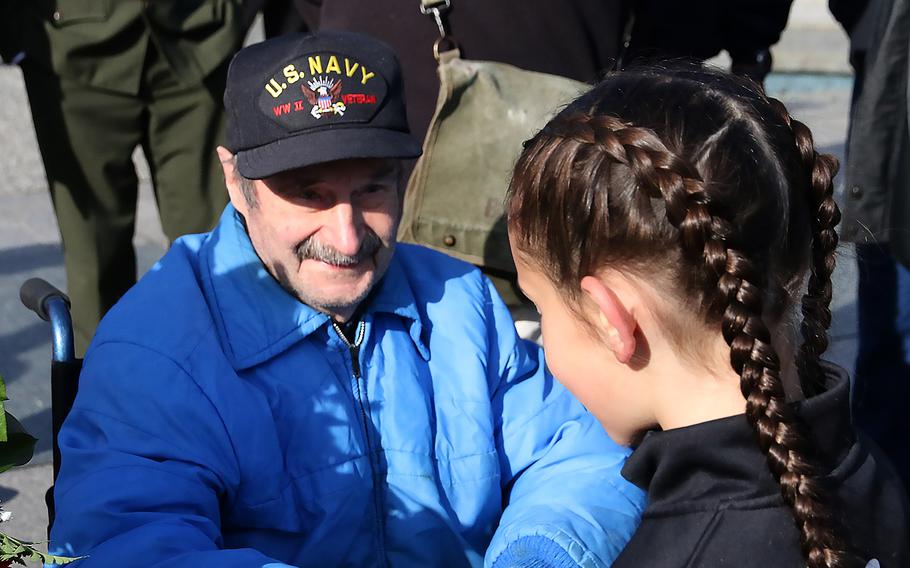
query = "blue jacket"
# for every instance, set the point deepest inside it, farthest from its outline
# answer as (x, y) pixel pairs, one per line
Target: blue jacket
(220, 422)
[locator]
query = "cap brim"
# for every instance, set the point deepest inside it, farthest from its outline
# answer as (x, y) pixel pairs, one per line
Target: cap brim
(317, 147)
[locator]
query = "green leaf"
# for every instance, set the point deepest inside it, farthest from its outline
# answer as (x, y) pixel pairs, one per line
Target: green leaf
(18, 551)
(18, 446)
(51, 559)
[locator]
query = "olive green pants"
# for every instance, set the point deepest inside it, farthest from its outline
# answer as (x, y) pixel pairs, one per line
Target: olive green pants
(87, 137)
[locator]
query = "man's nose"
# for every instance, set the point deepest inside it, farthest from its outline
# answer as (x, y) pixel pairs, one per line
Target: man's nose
(347, 229)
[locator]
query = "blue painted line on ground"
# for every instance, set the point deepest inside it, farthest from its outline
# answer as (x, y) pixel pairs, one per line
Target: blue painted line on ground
(778, 83)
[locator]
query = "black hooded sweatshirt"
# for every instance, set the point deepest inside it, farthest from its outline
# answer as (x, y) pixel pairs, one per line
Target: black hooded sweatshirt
(713, 501)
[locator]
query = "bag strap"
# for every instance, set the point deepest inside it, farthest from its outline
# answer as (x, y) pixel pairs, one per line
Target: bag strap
(438, 10)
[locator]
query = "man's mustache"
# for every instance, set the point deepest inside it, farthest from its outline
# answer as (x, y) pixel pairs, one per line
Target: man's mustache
(312, 249)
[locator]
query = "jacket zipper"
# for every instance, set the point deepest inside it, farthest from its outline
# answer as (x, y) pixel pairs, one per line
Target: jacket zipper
(354, 351)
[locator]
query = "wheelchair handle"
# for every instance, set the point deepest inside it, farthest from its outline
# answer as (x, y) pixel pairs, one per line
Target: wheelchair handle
(50, 304)
(35, 292)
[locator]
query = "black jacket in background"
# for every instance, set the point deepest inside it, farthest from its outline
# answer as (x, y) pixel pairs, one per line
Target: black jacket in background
(579, 39)
(713, 501)
(847, 12)
(703, 28)
(877, 180)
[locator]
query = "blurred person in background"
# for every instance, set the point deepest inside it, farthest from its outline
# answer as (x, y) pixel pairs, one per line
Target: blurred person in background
(877, 219)
(858, 18)
(279, 17)
(103, 78)
(746, 29)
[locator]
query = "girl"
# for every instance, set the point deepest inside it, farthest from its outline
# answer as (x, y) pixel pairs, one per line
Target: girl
(675, 227)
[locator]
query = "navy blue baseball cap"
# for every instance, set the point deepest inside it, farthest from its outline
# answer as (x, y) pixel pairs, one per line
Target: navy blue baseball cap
(305, 99)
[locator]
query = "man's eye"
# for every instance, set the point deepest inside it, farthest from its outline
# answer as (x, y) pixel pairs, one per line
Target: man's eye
(372, 195)
(304, 196)
(308, 195)
(373, 189)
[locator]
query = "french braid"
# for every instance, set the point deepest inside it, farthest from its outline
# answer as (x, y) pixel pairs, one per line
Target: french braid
(731, 285)
(816, 310)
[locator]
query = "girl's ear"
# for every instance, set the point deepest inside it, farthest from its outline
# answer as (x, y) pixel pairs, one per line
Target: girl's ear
(616, 321)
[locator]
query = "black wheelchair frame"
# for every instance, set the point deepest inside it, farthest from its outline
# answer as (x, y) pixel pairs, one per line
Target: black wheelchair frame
(50, 304)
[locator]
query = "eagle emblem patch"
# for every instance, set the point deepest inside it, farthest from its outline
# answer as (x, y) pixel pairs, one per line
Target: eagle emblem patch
(325, 96)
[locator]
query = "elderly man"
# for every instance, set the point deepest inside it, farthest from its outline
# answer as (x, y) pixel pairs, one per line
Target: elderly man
(294, 389)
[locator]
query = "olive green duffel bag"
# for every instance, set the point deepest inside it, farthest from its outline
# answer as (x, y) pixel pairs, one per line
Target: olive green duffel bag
(485, 111)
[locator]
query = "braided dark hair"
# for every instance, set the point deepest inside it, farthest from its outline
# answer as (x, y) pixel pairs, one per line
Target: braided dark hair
(700, 177)
(817, 300)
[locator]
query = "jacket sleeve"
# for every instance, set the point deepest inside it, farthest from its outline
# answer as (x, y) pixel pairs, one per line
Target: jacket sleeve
(146, 461)
(566, 503)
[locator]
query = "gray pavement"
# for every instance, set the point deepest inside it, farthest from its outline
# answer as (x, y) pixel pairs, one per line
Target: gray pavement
(29, 241)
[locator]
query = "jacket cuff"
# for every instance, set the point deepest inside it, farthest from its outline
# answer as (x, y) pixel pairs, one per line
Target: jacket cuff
(534, 552)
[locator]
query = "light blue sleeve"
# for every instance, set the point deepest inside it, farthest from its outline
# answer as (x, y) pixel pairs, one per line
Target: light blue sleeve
(145, 462)
(567, 503)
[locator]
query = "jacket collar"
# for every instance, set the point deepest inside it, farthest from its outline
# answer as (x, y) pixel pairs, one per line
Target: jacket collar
(256, 319)
(720, 460)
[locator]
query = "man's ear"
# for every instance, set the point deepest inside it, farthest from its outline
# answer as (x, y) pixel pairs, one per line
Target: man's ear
(615, 320)
(232, 179)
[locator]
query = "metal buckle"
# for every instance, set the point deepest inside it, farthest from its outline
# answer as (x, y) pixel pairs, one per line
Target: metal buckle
(437, 9)
(443, 43)
(441, 5)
